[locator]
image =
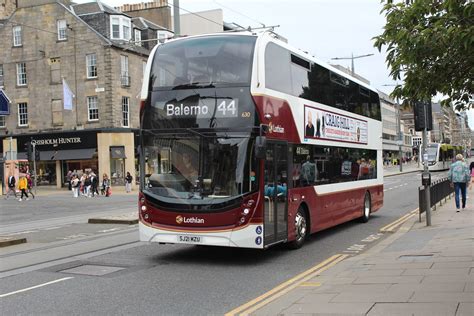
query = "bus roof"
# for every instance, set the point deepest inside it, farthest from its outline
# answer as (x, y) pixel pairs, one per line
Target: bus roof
(270, 36)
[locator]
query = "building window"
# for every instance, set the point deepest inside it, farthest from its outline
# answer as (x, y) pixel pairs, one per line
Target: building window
(138, 37)
(91, 66)
(1, 76)
(2, 121)
(62, 25)
(126, 31)
(17, 36)
(115, 28)
(125, 111)
(93, 108)
(22, 114)
(120, 27)
(124, 77)
(21, 74)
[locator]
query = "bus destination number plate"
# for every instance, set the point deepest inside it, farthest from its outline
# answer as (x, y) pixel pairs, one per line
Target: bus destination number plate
(190, 239)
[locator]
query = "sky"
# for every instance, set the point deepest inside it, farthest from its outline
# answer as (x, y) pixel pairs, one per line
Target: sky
(324, 28)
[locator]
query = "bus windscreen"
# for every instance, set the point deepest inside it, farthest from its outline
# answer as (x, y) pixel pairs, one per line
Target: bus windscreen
(203, 62)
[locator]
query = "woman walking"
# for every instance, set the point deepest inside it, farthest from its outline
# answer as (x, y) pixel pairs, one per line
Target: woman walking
(23, 186)
(460, 178)
(30, 185)
(75, 184)
(128, 182)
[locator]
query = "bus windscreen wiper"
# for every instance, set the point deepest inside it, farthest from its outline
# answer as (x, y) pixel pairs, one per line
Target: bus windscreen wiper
(194, 85)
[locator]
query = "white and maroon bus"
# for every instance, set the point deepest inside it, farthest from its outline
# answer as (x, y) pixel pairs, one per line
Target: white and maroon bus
(248, 142)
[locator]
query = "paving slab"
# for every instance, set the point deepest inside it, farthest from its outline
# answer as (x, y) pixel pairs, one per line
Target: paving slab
(431, 287)
(329, 308)
(469, 287)
(448, 278)
(418, 309)
(278, 306)
(454, 271)
(388, 296)
(395, 265)
(465, 309)
(384, 272)
(453, 264)
(456, 297)
(389, 279)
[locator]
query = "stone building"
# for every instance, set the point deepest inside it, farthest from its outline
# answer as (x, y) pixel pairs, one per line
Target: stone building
(95, 50)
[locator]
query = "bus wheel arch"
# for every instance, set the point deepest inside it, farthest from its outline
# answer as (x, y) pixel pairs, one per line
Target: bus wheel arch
(302, 227)
(366, 208)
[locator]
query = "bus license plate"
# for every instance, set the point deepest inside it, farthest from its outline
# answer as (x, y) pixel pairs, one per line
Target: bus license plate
(190, 239)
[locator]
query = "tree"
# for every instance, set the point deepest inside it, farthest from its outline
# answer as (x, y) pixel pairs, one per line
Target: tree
(430, 45)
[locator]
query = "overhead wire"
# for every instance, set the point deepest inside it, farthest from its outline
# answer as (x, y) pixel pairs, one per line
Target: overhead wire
(240, 13)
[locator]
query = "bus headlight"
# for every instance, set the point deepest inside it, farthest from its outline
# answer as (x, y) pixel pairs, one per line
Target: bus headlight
(144, 208)
(246, 211)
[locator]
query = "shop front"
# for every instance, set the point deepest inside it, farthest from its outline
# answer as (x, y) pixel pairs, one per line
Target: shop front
(98, 151)
(61, 152)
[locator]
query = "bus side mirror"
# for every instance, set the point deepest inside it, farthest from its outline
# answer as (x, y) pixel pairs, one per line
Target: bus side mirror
(260, 147)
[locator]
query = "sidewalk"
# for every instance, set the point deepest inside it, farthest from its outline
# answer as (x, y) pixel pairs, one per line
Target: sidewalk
(419, 270)
(407, 168)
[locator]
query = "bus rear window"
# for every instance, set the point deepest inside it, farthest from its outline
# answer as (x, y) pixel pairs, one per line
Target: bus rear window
(220, 59)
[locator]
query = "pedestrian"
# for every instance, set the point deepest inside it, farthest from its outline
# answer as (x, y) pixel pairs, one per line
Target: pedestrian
(75, 183)
(23, 186)
(68, 179)
(471, 167)
(30, 185)
(94, 184)
(460, 178)
(87, 186)
(128, 182)
(82, 180)
(11, 186)
(105, 189)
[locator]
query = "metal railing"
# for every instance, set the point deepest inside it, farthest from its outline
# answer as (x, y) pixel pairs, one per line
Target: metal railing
(439, 190)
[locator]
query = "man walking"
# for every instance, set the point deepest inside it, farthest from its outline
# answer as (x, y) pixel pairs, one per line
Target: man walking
(460, 178)
(11, 186)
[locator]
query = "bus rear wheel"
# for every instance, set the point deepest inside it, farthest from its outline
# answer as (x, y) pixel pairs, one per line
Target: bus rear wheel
(301, 228)
(367, 208)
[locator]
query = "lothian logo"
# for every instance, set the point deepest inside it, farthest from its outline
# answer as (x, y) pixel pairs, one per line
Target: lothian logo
(189, 220)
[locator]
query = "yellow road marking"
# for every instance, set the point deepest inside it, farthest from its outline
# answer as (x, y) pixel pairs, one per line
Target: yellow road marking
(310, 284)
(390, 227)
(285, 287)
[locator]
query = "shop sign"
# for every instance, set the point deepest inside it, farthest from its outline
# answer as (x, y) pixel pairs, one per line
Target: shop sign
(71, 140)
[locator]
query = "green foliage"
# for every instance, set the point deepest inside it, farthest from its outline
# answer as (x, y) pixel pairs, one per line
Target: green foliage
(430, 45)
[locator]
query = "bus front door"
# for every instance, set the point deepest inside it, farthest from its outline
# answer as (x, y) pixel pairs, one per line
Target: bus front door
(276, 193)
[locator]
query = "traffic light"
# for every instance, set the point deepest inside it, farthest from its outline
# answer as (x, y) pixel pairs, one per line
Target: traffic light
(423, 116)
(29, 151)
(37, 155)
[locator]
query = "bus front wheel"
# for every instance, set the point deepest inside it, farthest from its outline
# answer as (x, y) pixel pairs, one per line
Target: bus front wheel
(301, 229)
(367, 208)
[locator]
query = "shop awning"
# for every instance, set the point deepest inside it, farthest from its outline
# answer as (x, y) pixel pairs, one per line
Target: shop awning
(117, 152)
(74, 154)
(70, 154)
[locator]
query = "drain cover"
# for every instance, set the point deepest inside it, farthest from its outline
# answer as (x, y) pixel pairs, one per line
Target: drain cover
(415, 257)
(91, 269)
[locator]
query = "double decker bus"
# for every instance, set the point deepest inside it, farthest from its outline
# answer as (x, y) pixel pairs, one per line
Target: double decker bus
(440, 156)
(248, 142)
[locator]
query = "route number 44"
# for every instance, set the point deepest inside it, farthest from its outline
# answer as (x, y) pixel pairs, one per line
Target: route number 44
(227, 109)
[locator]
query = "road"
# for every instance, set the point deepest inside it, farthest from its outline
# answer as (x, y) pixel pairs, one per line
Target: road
(171, 279)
